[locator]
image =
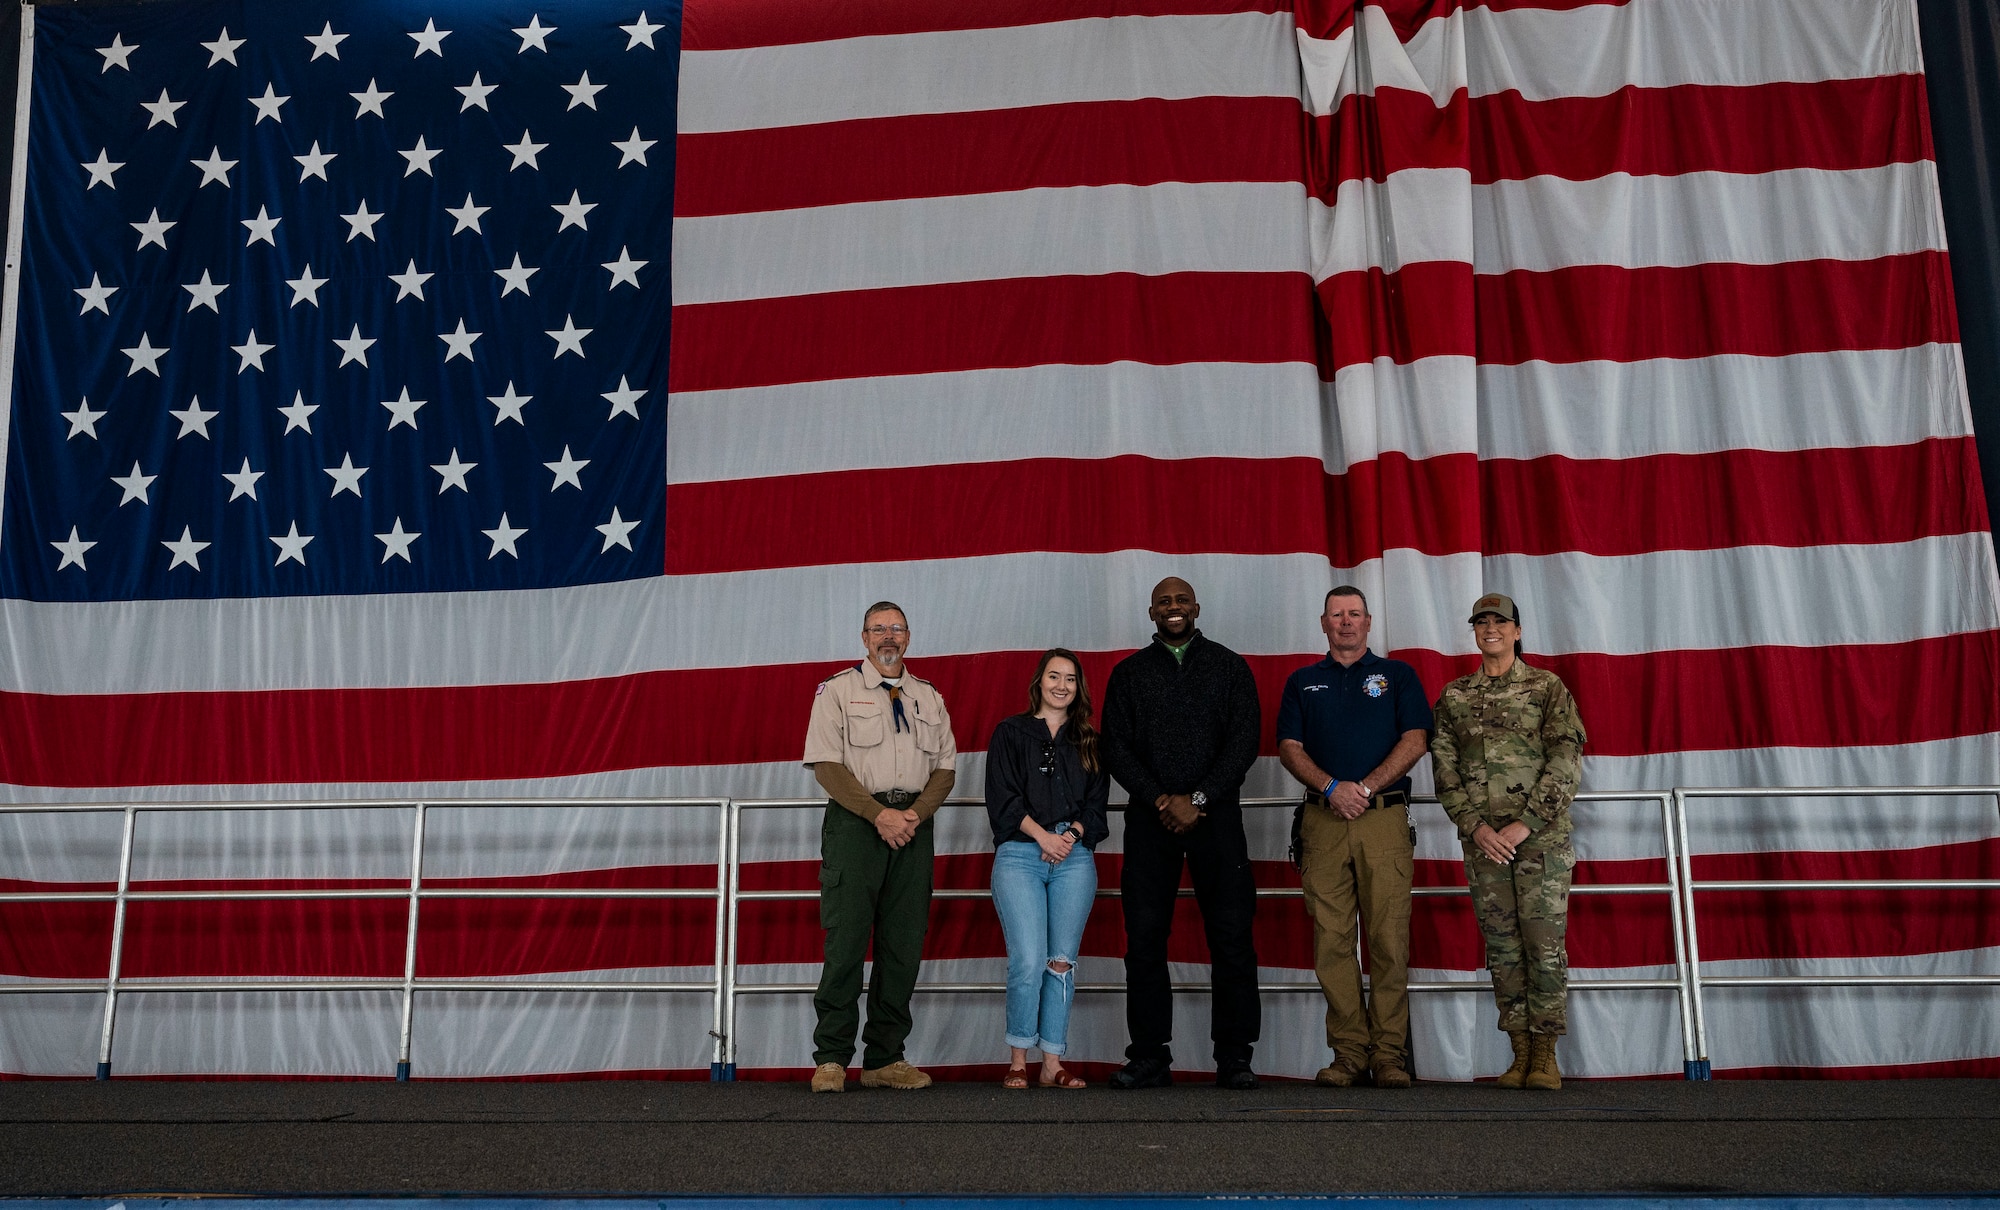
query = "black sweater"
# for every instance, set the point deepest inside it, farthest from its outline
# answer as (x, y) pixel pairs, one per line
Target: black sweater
(1016, 787)
(1174, 727)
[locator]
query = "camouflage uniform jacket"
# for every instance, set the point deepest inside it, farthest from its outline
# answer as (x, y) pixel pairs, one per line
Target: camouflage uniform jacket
(1508, 748)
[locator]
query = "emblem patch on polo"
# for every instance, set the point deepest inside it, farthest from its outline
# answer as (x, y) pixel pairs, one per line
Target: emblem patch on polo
(1375, 686)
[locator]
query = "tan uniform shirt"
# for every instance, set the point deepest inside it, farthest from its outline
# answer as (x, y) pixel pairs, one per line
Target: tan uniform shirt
(853, 724)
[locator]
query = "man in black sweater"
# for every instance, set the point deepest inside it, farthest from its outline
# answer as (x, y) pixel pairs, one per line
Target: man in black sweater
(1180, 731)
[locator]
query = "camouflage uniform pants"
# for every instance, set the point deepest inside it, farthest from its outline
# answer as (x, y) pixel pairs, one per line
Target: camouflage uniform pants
(1523, 911)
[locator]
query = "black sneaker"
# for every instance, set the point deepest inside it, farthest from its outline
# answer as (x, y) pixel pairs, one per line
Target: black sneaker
(1237, 1077)
(1144, 1073)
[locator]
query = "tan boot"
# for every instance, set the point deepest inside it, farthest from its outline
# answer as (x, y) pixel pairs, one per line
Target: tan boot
(898, 1075)
(830, 1077)
(1542, 1071)
(1517, 1075)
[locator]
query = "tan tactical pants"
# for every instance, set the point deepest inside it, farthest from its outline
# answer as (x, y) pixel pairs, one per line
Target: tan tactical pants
(1362, 866)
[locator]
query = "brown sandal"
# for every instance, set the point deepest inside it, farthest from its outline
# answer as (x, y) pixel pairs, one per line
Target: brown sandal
(1017, 1077)
(1064, 1080)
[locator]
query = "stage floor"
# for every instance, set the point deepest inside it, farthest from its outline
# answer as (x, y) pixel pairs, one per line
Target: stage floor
(1633, 1138)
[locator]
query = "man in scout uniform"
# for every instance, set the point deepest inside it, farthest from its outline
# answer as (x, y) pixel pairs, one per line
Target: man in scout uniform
(1507, 758)
(1349, 728)
(880, 743)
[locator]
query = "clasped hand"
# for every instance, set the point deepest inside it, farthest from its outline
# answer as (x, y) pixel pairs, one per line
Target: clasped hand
(1178, 814)
(1348, 800)
(1056, 845)
(1500, 846)
(896, 827)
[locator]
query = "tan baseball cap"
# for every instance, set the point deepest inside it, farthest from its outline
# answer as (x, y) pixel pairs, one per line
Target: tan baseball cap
(1494, 602)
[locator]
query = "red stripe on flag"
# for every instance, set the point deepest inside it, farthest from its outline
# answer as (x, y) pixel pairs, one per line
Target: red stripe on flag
(1837, 125)
(1668, 701)
(1608, 313)
(1143, 142)
(1389, 130)
(1169, 319)
(739, 24)
(1421, 310)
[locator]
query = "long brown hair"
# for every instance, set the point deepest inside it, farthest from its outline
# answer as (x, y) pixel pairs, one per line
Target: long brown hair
(1076, 727)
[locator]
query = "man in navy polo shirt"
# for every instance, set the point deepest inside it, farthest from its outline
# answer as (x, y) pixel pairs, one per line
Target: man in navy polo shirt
(1349, 728)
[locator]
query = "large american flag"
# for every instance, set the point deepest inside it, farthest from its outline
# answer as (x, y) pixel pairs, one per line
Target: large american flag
(1639, 312)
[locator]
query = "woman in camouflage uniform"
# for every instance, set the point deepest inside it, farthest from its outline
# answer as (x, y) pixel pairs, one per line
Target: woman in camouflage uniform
(1506, 757)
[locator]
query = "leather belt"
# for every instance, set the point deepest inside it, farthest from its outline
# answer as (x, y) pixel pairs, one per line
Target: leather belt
(1378, 801)
(895, 798)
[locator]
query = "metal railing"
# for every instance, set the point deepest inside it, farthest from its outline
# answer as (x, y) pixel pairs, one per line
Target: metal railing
(1681, 984)
(408, 984)
(1699, 1068)
(726, 988)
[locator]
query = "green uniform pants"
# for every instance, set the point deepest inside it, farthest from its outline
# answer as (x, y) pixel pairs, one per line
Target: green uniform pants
(867, 889)
(1523, 911)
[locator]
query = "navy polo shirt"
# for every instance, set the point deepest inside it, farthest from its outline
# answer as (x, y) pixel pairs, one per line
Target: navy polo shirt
(1349, 718)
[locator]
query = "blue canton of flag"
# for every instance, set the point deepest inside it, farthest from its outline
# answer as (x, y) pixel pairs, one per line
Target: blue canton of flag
(353, 298)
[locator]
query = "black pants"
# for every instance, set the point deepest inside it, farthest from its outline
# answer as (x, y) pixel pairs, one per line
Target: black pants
(1217, 856)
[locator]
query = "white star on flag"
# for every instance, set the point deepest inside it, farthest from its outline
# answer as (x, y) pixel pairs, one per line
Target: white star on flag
(144, 357)
(117, 54)
(503, 535)
(214, 169)
(97, 296)
(573, 211)
(510, 405)
(325, 43)
(361, 222)
(354, 347)
(263, 229)
(430, 40)
(163, 110)
(346, 476)
(83, 421)
(467, 216)
(370, 101)
(641, 32)
(454, 473)
(292, 545)
(153, 230)
(186, 549)
(534, 34)
(458, 343)
(251, 351)
(516, 277)
(410, 282)
(569, 338)
(314, 162)
(633, 150)
(475, 93)
(299, 414)
(617, 532)
(396, 543)
(524, 152)
(625, 399)
(583, 92)
(305, 287)
(420, 158)
(243, 482)
(194, 419)
(625, 270)
(204, 293)
(566, 470)
(403, 409)
(135, 486)
(72, 550)
(223, 49)
(100, 170)
(269, 104)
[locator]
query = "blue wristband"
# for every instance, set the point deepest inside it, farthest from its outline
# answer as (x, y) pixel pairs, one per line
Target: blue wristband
(1331, 782)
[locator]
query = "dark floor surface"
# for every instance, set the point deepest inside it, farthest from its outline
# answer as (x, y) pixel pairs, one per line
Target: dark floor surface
(1914, 1136)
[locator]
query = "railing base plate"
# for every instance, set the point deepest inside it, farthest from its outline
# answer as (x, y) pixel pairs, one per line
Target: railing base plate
(104, 1071)
(722, 1073)
(1695, 1069)
(403, 1071)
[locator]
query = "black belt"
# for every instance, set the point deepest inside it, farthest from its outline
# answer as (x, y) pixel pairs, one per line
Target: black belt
(895, 798)
(1378, 800)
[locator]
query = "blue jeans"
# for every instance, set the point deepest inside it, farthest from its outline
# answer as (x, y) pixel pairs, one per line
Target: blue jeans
(1042, 912)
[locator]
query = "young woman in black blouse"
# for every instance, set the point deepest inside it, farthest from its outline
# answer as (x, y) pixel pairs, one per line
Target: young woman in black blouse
(1045, 794)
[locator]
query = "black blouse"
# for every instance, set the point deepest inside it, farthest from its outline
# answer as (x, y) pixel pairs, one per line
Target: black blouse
(1028, 772)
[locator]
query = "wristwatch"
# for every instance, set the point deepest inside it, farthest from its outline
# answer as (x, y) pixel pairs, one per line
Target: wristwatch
(1200, 800)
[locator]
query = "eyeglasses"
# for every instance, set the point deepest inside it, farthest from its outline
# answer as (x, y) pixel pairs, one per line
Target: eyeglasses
(879, 631)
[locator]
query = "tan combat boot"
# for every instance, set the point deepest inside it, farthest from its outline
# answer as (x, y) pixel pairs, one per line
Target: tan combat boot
(1542, 1071)
(830, 1077)
(898, 1075)
(1517, 1075)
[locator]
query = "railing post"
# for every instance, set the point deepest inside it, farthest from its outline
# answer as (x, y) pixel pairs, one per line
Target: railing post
(1697, 1067)
(720, 1069)
(1684, 991)
(410, 946)
(733, 905)
(117, 941)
